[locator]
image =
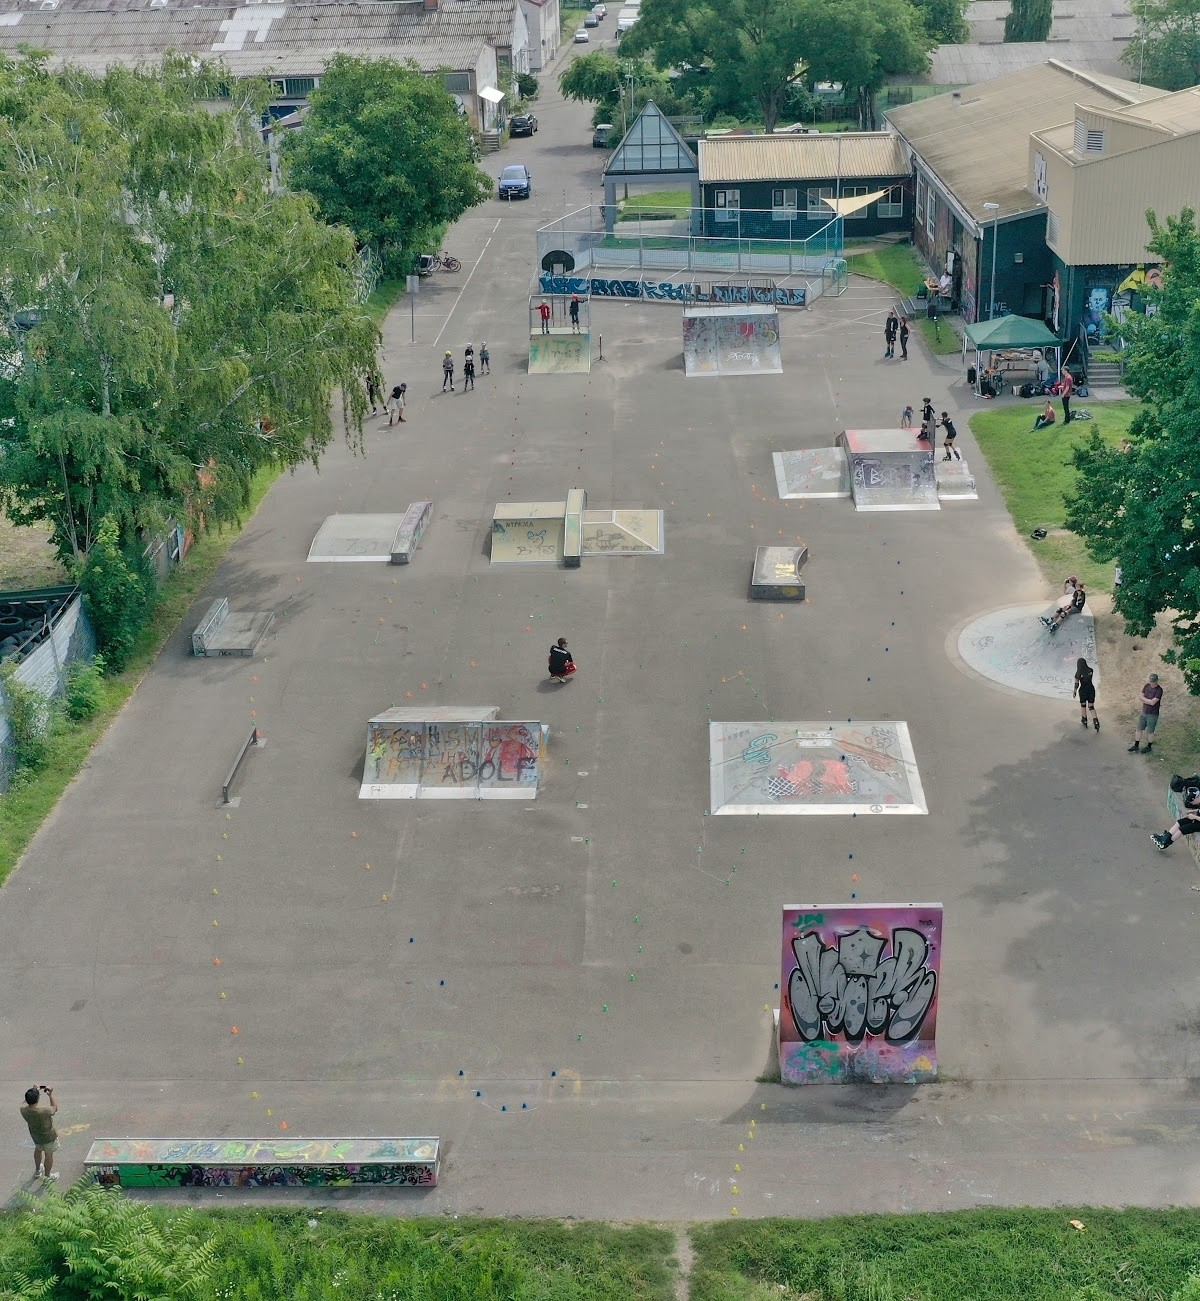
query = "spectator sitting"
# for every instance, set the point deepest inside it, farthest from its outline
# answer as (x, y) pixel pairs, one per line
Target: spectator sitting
(1046, 418)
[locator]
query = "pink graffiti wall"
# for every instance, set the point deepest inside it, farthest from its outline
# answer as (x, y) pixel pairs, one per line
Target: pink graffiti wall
(858, 993)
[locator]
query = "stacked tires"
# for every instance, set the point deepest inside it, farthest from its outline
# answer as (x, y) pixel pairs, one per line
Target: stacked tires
(23, 624)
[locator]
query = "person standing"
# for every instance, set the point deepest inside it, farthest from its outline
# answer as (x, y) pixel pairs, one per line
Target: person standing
(562, 664)
(574, 313)
(904, 338)
(1067, 387)
(544, 313)
(395, 405)
(39, 1117)
(468, 368)
(373, 393)
(1151, 703)
(485, 359)
(890, 326)
(951, 434)
(448, 371)
(1085, 691)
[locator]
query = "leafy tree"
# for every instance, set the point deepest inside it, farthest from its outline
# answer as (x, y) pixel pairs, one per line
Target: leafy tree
(1167, 51)
(1029, 20)
(945, 20)
(614, 84)
(527, 86)
(1141, 506)
(385, 151)
(93, 1242)
(170, 322)
(118, 592)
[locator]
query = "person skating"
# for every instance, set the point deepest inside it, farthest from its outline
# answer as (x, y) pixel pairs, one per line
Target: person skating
(468, 368)
(1151, 703)
(904, 338)
(448, 371)
(926, 411)
(951, 434)
(1085, 691)
(395, 405)
(562, 664)
(485, 359)
(574, 313)
(373, 393)
(1188, 790)
(890, 326)
(544, 313)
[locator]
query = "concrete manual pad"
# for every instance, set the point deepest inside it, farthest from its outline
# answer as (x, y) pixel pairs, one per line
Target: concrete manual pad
(889, 470)
(239, 633)
(349, 538)
(955, 482)
(812, 472)
(623, 533)
(776, 574)
(1012, 647)
(838, 768)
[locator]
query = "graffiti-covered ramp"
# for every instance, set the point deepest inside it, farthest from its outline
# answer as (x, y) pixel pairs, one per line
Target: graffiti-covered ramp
(623, 533)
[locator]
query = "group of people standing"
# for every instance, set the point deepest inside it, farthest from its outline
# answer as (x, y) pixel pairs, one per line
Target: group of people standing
(468, 370)
(895, 328)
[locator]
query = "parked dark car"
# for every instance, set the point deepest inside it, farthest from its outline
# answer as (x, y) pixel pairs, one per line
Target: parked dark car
(516, 182)
(522, 124)
(604, 136)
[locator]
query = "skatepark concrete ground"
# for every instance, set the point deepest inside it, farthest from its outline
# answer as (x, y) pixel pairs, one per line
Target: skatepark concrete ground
(609, 951)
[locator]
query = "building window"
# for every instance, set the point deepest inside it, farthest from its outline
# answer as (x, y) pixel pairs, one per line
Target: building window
(855, 192)
(930, 213)
(1051, 228)
(457, 83)
(892, 203)
(727, 204)
(294, 87)
(820, 201)
(783, 205)
(920, 199)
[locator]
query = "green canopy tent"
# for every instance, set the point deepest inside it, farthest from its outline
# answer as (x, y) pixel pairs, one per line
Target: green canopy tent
(1008, 332)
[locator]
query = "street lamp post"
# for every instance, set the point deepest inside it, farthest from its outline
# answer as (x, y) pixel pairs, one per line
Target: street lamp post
(993, 207)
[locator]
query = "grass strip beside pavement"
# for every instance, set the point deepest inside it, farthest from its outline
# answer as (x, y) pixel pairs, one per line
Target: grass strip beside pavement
(897, 265)
(1035, 474)
(987, 1255)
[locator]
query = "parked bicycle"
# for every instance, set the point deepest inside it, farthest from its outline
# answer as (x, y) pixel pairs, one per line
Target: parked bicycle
(428, 263)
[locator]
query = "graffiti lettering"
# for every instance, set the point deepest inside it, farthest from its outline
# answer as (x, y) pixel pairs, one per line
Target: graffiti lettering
(756, 751)
(849, 990)
(672, 291)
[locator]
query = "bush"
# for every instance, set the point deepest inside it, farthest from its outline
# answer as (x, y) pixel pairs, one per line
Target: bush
(85, 689)
(118, 592)
(527, 85)
(28, 713)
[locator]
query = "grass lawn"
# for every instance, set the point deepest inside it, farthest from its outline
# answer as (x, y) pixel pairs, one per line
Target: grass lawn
(313, 1255)
(898, 266)
(1035, 473)
(987, 1255)
(656, 203)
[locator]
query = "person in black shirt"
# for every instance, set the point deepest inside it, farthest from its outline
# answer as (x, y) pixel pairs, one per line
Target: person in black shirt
(562, 664)
(1085, 690)
(1188, 790)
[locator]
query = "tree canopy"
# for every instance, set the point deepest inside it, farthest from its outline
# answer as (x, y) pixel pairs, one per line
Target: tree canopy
(1029, 20)
(1140, 505)
(763, 48)
(385, 151)
(1167, 54)
(170, 321)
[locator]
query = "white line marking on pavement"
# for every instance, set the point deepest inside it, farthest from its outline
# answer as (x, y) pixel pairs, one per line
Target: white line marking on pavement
(466, 282)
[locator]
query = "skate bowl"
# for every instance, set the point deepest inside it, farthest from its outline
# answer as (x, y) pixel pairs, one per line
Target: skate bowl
(812, 472)
(889, 470)
(452, 753)
(560, 354)
(1012, 648)
(731, 340)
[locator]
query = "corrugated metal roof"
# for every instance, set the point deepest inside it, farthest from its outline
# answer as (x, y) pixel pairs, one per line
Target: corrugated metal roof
(291, 39)
(976, 141)
(862, 154)
(1172, 115)
(964, 65)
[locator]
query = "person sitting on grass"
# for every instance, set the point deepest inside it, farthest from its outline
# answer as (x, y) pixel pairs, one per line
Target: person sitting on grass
(1046, 418)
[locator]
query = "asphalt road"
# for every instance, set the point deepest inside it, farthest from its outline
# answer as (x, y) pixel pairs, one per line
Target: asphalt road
(608, 951)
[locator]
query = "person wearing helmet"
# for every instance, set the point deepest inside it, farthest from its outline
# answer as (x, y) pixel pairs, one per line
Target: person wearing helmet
(448, 371)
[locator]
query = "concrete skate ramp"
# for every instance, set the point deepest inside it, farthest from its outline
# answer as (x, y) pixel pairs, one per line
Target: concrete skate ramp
(348, 538)
(623, 533)
(727, 339)
(560, 354)
(889, 470)
(815, 768)
(528, 533)
(452, 753)
(812, 472)
(1011, 647)
(955, 482)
